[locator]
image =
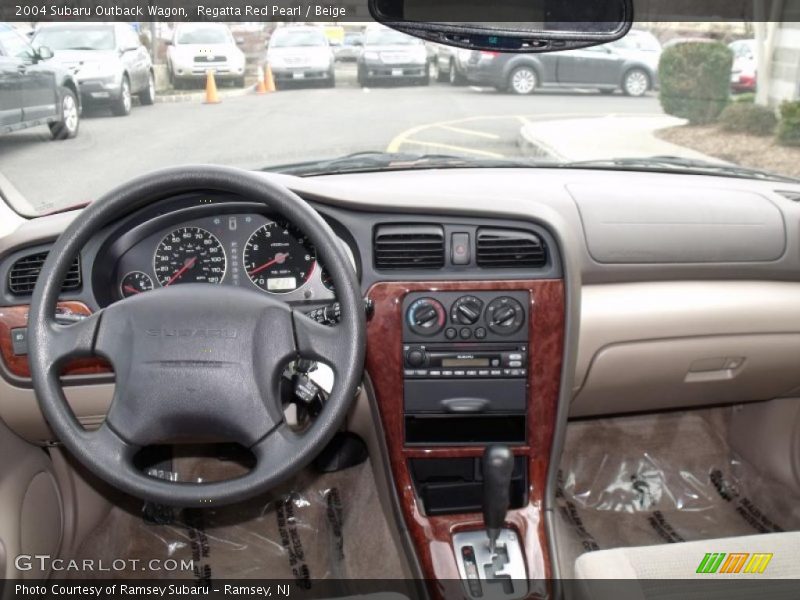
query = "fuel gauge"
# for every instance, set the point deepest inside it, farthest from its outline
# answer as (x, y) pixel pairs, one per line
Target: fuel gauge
(134, 283)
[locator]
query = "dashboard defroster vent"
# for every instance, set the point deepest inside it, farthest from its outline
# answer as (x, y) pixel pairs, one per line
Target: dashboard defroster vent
(793, 195)
(24, 272)
(408, 247)
(510, 249)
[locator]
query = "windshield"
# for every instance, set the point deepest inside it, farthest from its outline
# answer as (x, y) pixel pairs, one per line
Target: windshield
(202, 35)
(76, 38)
(303, 37)
(389, 37)
(663, 90)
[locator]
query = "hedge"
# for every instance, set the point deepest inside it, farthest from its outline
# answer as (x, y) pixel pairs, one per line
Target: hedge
(748, 118)
(789, 124)
(695, 80)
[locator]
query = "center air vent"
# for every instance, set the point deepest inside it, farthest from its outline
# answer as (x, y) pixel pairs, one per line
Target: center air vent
(24, 272)
(510, 249)
(408, 247)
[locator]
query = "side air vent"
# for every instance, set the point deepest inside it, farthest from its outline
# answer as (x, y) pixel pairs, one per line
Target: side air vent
(510, 249)
(408, 247)
(23, 274)
(792, 195)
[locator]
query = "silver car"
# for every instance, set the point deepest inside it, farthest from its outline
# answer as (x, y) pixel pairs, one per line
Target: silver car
(350, 48)
(108, 60)
(299, 54)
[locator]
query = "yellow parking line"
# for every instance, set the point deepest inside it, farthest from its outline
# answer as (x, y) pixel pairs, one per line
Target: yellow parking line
(488, 136)
(454, 148)
(404, 137)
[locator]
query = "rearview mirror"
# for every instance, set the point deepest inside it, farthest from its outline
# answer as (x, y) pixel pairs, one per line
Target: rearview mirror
(508, 25)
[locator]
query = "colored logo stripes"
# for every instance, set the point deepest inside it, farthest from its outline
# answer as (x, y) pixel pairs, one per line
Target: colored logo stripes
(735, 562)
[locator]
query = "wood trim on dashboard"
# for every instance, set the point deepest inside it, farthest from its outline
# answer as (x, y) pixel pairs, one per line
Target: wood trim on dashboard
(432, 535)
(13, 317)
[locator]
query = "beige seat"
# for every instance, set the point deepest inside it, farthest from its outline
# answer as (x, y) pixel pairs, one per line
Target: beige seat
(647, 567)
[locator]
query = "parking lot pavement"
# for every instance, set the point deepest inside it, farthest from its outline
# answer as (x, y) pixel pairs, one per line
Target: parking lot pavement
(295, 125)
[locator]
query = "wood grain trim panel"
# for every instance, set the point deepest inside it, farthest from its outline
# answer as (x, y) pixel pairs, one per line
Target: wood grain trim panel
(432, 535)
(13, 317)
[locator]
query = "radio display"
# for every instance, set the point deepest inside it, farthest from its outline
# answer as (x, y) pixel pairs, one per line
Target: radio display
(465, 362)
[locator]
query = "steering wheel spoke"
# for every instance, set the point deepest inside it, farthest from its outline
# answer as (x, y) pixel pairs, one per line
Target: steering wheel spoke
(319, 342)
(67, 342)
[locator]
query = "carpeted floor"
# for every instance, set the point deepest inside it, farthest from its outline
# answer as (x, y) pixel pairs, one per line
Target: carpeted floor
(654, 479)
(321, 526)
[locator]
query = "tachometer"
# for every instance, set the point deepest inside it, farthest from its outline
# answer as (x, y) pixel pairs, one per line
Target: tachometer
(278, 258)
(134, 283)
(189, 255)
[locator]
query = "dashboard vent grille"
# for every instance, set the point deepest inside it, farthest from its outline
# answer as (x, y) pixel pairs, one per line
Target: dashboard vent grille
(24, 272)
(792, 195)
(510, 249)
(408, 247)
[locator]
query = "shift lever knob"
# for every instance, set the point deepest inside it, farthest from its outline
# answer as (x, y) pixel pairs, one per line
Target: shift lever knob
(498, 463)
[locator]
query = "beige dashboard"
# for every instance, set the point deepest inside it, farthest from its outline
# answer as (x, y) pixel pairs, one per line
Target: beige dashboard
(639, 336)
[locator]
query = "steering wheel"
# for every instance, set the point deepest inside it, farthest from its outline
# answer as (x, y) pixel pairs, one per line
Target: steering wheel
(196, 361)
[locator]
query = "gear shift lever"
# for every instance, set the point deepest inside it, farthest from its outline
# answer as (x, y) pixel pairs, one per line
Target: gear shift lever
(497, 463)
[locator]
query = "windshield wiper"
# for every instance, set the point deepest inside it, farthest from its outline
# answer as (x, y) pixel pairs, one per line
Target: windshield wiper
(690, 166)
(359, 162)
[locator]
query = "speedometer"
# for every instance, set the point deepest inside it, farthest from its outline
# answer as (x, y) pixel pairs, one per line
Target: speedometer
(189, 255)
(278, 258)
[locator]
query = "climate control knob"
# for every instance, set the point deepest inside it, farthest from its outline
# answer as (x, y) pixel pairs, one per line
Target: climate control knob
(466, 310)
(504, 315)
(426, 316)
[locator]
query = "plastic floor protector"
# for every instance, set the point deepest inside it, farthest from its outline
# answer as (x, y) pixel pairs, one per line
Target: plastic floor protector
(654, 479)
(320, 526)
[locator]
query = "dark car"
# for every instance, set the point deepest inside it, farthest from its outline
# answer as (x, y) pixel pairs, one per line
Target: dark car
(34, 89)
(108, 60)
(389, 55)
(631, 64)
(448, 64)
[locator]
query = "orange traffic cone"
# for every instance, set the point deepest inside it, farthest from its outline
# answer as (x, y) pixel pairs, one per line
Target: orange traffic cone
(269, 80)
(212, 97)
(261, 88)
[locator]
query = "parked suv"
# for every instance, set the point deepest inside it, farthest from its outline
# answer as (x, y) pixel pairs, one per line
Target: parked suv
(196, 48)
(108, 60)
(34, 89)
(391, 55)
(300, 54)
(630, 65)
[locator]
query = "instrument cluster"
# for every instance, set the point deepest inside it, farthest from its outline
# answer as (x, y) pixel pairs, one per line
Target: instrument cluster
(240, 249)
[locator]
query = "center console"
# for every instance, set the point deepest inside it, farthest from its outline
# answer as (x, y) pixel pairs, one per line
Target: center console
(458, 367)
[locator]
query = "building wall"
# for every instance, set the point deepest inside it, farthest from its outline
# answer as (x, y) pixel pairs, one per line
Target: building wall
(785, 84)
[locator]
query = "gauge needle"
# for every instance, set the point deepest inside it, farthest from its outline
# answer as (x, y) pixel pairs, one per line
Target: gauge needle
(279, 258)
(188, 264)
(131, 289)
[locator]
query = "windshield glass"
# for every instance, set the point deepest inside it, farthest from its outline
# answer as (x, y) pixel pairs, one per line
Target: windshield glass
(202, 35)
(389, 37)
(300, 37)
(76, 38)
(663, 90)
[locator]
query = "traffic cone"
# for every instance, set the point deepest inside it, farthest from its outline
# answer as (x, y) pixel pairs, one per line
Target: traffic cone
(269, 80)
(212, 97)
(261, 88)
